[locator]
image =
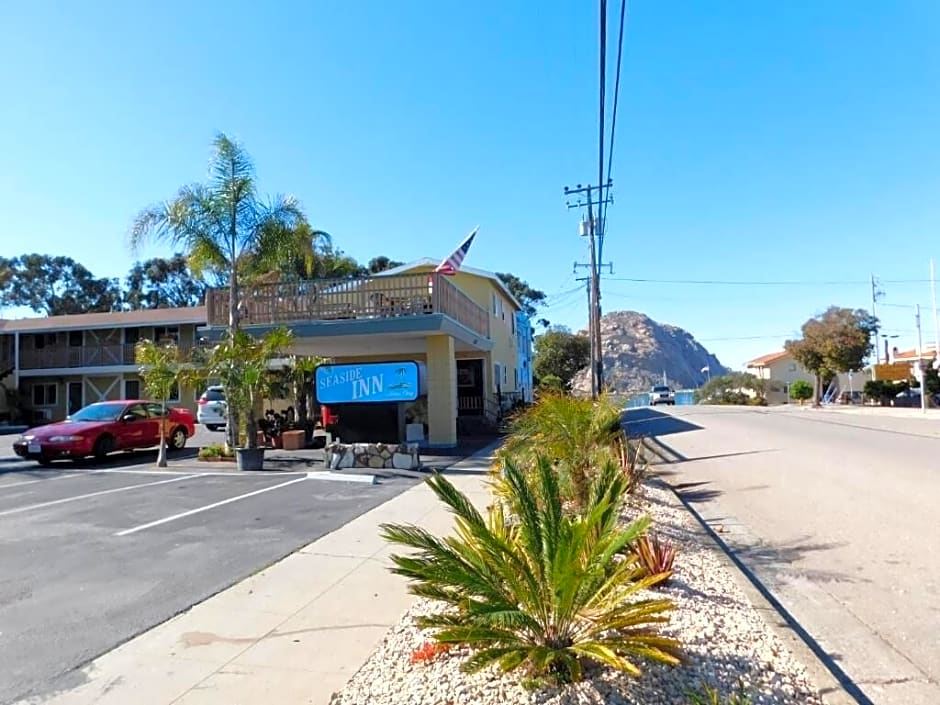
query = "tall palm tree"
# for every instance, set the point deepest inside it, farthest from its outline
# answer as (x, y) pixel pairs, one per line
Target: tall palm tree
(224, 227)
(226, 230)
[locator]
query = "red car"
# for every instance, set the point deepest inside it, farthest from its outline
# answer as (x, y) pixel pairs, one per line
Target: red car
(101, 428)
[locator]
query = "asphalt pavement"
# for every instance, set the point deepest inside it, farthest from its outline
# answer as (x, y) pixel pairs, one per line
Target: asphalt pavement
(835, 513)
(93, 555)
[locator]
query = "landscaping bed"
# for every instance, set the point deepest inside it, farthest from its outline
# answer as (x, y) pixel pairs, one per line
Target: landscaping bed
(725, 645)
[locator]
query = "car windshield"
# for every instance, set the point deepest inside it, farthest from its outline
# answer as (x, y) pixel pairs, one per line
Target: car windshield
(660, 389)
(214, 395)
(99, 412)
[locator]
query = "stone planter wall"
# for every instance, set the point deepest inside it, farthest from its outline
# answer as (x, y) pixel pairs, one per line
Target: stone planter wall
(398, 456)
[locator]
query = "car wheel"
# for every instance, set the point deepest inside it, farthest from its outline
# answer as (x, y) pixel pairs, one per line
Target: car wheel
(103, 446)
(44, 462)
(178, 438)
(212, 427)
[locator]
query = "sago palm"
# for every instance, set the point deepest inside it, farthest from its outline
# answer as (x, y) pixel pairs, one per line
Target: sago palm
(579, 435)
(542, 589)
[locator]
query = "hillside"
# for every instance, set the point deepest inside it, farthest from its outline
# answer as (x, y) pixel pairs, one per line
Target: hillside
(637, 350)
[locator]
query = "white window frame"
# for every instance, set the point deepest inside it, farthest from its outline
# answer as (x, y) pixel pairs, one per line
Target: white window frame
(46, 386)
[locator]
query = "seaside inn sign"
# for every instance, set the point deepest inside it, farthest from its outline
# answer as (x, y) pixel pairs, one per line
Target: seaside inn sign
(367, 383)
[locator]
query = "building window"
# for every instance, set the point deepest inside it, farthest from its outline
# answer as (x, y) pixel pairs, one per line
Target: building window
(131, 389)
(41, 340)
(166, 334)
(792, 367)
(497, 375)
(131, 336)
(45, 394)
(174, 393)
(76, 339)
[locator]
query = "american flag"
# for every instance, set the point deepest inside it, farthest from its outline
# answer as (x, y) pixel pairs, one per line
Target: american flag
(450, 265)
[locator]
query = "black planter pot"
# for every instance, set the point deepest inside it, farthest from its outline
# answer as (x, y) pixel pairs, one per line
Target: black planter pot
(249, 458)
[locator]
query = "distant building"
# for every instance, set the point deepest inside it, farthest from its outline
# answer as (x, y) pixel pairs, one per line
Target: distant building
(782, 369)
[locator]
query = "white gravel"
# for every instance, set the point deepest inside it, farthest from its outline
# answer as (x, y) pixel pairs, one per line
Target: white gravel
(725, 641)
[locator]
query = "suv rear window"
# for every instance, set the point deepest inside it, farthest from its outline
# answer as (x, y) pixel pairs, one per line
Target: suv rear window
(213, 395)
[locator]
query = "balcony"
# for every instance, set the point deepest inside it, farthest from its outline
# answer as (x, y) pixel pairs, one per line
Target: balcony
(61, 357)
(368, 298)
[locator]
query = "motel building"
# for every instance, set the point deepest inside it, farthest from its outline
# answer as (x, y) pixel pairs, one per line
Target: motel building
(416, 355)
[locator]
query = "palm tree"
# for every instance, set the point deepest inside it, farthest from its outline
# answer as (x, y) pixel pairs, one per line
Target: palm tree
(225, 228)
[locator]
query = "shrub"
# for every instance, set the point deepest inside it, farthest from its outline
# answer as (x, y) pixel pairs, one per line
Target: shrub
(428, 651)
(537, 591)
(801, 390)
(654, 556)
(579, 435)
(214, 451)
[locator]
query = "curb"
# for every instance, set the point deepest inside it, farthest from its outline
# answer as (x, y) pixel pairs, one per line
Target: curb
(834, 685)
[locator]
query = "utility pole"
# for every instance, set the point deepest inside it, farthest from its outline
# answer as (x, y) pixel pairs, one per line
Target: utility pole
(589, 229)
(921, 376)
(936, 325)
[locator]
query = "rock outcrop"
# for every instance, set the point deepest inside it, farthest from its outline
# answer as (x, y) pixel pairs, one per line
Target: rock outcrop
(638, 350)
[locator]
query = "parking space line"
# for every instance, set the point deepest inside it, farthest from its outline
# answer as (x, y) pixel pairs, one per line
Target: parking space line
(6, 485)
(197, 510)
(88, 495)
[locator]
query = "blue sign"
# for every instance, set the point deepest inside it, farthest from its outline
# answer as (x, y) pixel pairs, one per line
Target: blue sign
(367, 382)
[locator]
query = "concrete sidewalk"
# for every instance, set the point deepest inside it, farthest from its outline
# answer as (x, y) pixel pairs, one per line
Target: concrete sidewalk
(293, 633)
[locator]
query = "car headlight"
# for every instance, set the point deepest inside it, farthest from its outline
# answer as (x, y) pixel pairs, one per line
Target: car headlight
(64, 439)
(27, 438)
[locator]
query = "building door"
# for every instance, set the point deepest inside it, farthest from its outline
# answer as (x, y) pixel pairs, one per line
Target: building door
(76, 397)
(470, 401)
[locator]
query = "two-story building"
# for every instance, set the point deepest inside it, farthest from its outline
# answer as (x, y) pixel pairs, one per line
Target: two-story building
(467, 334)
(60, 363)
(462, 330)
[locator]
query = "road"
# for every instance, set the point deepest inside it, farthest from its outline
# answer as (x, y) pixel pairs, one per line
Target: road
(92, 555)
(837, 514)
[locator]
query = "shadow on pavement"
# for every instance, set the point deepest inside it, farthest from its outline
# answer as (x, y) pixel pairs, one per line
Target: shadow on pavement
(643, 421)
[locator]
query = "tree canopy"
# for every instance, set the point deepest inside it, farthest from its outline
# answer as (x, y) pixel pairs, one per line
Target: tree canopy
(162, 283)
(529, 297)
(559, 353)
(56, 285)
(837, 340)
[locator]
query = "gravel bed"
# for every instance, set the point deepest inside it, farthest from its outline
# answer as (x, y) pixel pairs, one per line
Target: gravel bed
(725, 642)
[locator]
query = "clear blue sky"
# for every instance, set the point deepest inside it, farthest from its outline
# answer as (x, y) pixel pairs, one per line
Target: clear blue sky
(756, 141)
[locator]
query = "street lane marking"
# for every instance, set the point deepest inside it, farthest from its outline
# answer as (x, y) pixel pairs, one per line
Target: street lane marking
(197, 510)
(88, 495)
(7, 485)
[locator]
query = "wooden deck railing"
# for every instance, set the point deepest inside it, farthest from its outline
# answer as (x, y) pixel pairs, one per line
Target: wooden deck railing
(85, 356)
(350, 299)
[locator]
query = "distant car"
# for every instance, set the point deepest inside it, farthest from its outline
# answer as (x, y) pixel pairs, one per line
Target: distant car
(104, 427)
(212, 409)
(661, 394)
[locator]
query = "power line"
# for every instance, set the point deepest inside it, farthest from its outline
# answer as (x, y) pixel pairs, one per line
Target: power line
(727, 282)
(613, 122)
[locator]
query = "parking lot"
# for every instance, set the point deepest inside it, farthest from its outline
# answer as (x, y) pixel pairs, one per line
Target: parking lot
(94, 554)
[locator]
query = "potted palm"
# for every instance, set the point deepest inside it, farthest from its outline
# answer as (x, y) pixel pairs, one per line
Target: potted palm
(241, 363)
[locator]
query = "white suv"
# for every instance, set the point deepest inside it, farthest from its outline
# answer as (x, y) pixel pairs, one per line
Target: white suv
(212, 409)
(661, 394)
